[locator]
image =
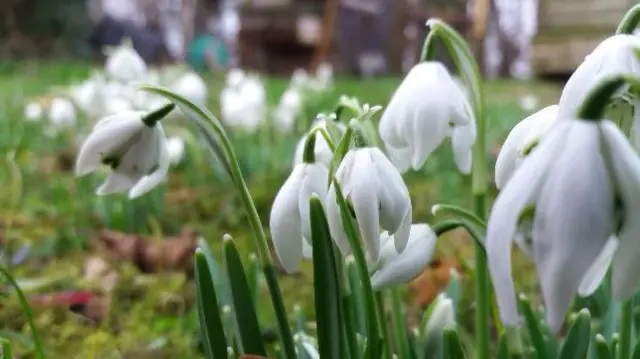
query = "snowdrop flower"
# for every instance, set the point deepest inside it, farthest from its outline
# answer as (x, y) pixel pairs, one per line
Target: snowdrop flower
(442, 316)
(395, 268)
(427, 107)
(33, 111)
(62, 113)
(117, 104)
(528, 102)
(520, 142)
(300, 79)
(235, 77)
(308, 344)
(289, 221)
(324, 76)
(614, 56)
(578, 188)
(288, 109)
(175, 146)
(192, 87)
(323, 151)
(124, 64)
(379, 199)
(133, 144)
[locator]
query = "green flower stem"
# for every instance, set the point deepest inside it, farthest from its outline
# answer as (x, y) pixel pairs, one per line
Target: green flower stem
(382, 324)
(26, 310)
(399, 325)
(630, 21)
(624, 349)
(219, 141)
(468, 69)
(153, 117)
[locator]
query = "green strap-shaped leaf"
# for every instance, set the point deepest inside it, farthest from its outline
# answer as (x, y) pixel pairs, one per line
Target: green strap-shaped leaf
(325, 284)
(451, 345)
(7, 352)
(636, 352)
(220, 280)
(629, 21)
(602, 348)
(399, 325)
(533, 328)
(576, 343)
(374, 345)
(213, 336)
(341, 150)
(243, 303)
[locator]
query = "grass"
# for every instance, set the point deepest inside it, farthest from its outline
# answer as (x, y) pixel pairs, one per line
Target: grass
(150, 314)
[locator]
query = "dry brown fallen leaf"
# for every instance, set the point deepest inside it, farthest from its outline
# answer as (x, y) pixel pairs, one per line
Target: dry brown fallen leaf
(431, 281)
(149, 255)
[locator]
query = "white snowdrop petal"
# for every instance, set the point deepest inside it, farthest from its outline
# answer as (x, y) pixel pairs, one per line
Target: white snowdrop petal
(334, 219)
(116, 182)
(598, 269)
(284, 222)
(506, 161)
(403, 267)
(365, 203)
(426, 135)
(519, 192)
(314, 180)
(573, 219)
(463, 139)
(626, 168)
(307, 249)
(108, 135)
(392, 192)
(150, 181)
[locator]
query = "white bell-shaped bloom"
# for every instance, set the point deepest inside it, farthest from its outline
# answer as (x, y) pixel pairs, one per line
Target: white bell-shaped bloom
(255, 95)
(117, 104)
(288, 109)
(33, 111)
(580, 187)
(62, 113)
(124, 64)
(289, 222)
(324, 76)
(136, 153)
(322, 149)
(176, 148)
(378, 197)
(614, 56)
(192, 87)
(521, 141)
(442, 316)
(427, 107)
(396, 268)
(300, 79)
(235, 77)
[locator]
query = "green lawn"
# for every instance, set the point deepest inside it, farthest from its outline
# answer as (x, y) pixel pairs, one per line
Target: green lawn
(43, 205)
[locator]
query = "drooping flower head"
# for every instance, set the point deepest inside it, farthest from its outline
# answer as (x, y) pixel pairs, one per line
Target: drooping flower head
(580, 187)
(427, 107)
(134, 145)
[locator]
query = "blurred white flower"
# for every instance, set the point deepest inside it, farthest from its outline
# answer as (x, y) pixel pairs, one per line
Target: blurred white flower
(192, 87)
(324, 77)
(288, 110)
(244, 106)
(33, 111)
(396, 268)
(289, 221)
(521, 141)
(137, 154)
(580, 187)
(117, 104)
(176, 147)
(614, 56)
(62, 113)
(442, 315)
(235, 77)
(528, 102)
(379, 199)
(300, 79)
(124, 64)
(427, 107)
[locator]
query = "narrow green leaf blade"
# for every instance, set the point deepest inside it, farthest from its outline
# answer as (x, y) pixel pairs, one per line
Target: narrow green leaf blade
(326, 285)
(210, 322)
(629, 21)
(533, 327)
(243, 302)
(451, 345)
(602, 348)
(576, 343)
(7, 352)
